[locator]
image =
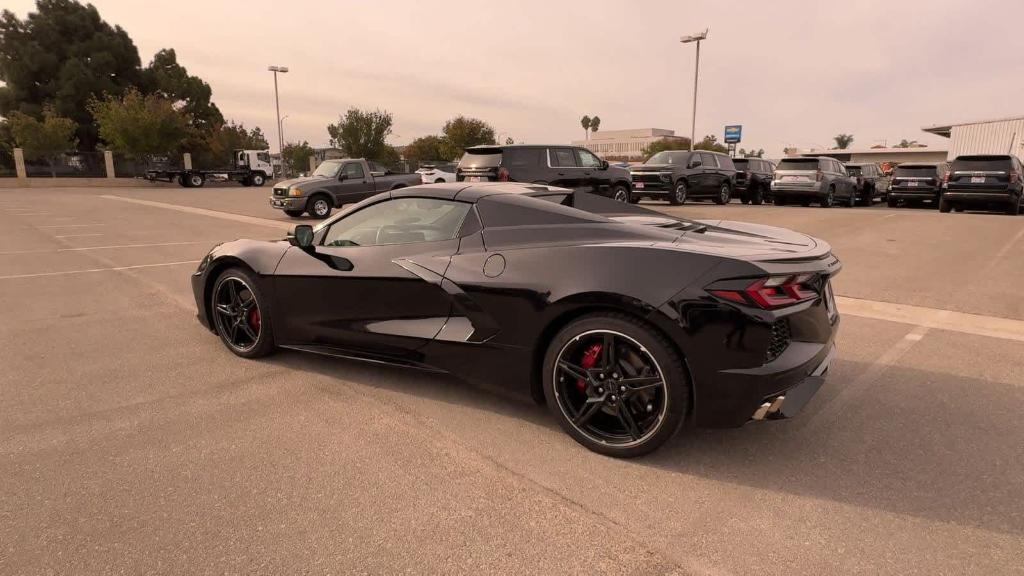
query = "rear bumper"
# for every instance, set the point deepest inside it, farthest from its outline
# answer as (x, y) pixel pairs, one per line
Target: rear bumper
(991, 197)
(914, 193)
(789, 190)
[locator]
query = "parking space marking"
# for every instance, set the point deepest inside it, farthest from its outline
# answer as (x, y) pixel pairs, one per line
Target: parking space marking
(963, 322)
(32, 214)
(204, 212)
(77, 235)
(69, 225)
(112, 247)
(113, 269)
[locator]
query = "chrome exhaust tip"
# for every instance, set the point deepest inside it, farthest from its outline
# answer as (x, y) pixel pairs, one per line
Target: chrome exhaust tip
(768, 408)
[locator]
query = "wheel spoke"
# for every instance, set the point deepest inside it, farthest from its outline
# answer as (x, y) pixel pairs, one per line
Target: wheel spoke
(592, 406)
(608, 352)
(626, 417)
(233, 293)
(244, 325)
(574, 370)
(225, 310)
(641, 383)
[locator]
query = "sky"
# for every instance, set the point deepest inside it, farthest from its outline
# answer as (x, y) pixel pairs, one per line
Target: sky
(792, 72)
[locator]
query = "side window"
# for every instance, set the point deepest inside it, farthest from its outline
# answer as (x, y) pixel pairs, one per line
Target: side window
(708, 160)
(353, 171)
(563, 158)
(587, 159)
(263, 156)
(399, 221)
(513, 158)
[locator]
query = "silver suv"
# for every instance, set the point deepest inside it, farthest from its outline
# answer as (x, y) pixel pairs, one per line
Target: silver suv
(816, 179)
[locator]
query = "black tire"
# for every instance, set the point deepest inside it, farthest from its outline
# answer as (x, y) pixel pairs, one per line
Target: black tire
(620, 193)
(892, 202)
(805, 202)
(647, 418)
(779, 200)
(196, 180)
(243, 323)
(829, 199)
(245, 182)
(851, 202)
(319, 206)
(744, 199)
(678, 195)
(1014, 207)
(439, 181)
(257, 179)
(724, 195)
(294, 213)
(181, 181)
(869, 196)
(757, 198)
(945, 205)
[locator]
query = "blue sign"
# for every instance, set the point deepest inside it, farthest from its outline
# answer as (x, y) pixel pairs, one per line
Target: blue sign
(733, 134)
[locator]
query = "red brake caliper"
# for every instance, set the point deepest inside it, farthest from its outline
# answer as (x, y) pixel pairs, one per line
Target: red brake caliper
(254, 319)
(590, 356)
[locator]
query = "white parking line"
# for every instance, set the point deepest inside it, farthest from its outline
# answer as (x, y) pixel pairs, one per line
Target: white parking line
(78, 249)
(204, 212)
(77, 235)
(33, 214)
(977, 324)
(69, 225)
(16, 276)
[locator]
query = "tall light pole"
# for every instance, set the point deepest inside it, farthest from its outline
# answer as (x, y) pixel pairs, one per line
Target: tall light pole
(277, 104)
(696, 74)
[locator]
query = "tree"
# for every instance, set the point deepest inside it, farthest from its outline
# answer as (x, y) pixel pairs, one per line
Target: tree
(168, 79)
(138, 125)
(710, 142)
(585, 122)
(62, 56)
(46, 140)
(595, 123)
(843, 141)
(909, 144)
(509, 141)
(224, 139)
(461, 133)
(296, 157)
(362, 134)
(427, 148)
(666, 144)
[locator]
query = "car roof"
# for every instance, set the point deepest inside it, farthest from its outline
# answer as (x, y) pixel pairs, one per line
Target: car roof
(860, 164)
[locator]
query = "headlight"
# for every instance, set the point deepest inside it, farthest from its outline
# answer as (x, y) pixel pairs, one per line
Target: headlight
(204, 263)
(294, 192)
(666, 176)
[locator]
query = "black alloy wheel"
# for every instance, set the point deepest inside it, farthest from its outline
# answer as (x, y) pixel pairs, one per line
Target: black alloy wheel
(620, 193)
(724, 195)
(678, 195)
(830, 198)
(615, 386)
(238, 318)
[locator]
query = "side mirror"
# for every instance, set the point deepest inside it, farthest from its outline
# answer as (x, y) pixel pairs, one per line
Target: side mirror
(342, 176)
(694, 164)
(301, 236)
(604, 164)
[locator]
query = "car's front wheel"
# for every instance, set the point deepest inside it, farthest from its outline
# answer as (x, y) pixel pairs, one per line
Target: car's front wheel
(945, 206)
(241, 314)
(724, 195)
(620, 193)
(319, 207)
(615, 385)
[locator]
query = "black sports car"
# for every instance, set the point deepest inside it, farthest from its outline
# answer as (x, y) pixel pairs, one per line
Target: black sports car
(626, 322)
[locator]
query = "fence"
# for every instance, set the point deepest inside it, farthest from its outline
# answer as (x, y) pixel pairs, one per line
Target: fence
(7, 164)
(72, 164)
(132, 167)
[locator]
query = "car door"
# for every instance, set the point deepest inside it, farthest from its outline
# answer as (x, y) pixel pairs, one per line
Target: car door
(353, 185)
(371, 282)
(593, 178)
(566, 170)
(711, 177)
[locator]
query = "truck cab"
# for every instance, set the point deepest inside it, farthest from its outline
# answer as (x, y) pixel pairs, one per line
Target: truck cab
(256, 161)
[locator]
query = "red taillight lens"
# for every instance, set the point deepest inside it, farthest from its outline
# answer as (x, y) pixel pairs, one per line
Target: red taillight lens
(945, 177)
(502, 174)
(772, 293)
(1014, 177)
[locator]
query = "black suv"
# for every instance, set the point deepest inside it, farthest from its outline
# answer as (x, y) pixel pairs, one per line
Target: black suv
(565, 166)
(680, 176)
(992, 182)
(869, 181)
(914, 182)
(753, 179)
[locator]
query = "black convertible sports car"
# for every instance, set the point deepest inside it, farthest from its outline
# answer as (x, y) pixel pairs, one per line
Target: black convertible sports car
(626, 322)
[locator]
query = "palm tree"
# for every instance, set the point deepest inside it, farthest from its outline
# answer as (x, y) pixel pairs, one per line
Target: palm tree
(843, 141)
(585, 122)
(595, 123)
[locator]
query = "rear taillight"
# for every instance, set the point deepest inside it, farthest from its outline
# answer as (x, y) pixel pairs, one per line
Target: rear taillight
(502, 174)
(945, 177)
(819, 176)
(772, 293)
(1014, 177)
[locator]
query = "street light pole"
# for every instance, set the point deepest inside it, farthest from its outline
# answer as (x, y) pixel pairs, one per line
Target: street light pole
(696, 76)
(277, 104)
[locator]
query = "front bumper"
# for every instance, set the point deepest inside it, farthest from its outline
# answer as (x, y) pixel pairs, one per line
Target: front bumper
(288, 202)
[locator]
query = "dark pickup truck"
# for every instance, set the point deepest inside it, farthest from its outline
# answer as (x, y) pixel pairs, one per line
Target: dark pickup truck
(335, 183)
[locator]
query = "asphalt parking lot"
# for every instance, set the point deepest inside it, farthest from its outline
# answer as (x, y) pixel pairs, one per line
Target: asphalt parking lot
(132, 441)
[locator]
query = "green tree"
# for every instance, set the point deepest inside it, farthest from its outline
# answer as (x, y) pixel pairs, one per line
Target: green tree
(909, 144)
(362, 134)
(509, 141)
(170, 80)
(296, 157)
(224, 139)
(461, 133)
(62, 55)
(138, 125)
(595, 124)
(843, 141)
(585, 122)
(43, 140)
(666, 144)
(426, 148)
(710, 142)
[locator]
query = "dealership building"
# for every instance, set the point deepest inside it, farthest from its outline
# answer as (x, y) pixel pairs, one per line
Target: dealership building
(625, 144)
(1001, 136)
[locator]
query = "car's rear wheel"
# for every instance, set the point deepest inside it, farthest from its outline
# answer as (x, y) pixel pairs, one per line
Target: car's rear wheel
(319, 206)
(620, 193)
(757, 196)
(615, 385)
(830, 198)
(779, 200)
(1014, 208)
(945, 206)
(724, 195)
(805, 202)
(678, 195)
(240, 314)
(892, 202)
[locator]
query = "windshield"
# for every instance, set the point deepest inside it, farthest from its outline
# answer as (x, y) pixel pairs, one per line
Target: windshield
(668, 157)
(328, 169)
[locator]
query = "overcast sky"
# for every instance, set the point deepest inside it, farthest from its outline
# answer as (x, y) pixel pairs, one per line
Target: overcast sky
(793, 73)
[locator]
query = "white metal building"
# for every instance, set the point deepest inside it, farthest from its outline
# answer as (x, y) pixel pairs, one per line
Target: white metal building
(624, 143)
(878, 155)
(1001, 136)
